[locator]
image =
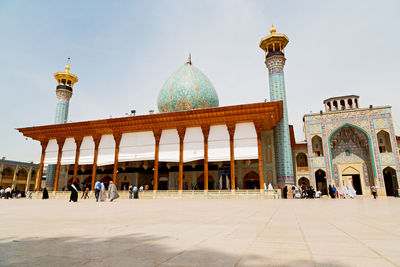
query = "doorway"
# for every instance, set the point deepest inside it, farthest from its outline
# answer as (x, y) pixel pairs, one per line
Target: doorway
(320, 180)
(354, 180)
(163, 183)
(251, 180)
(391, 184)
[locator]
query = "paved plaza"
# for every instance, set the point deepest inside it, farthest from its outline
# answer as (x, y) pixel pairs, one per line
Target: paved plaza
(184, 232)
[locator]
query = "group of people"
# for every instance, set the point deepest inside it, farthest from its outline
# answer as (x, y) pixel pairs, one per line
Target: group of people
(9, 193)
(333, 192)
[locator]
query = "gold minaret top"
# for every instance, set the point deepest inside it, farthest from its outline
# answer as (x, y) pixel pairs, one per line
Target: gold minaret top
(66, 78)
(274, 41)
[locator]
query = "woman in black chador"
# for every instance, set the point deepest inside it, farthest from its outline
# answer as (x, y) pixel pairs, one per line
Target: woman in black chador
(284, 192)
(74, 192)
(45, 194)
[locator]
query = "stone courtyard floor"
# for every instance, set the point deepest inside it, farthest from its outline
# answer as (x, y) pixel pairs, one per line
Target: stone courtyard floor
(184, 232)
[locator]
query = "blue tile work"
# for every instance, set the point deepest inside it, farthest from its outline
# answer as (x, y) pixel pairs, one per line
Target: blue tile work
(63, 97)
(187, 88)
(61, 113)
(371, 121)
(283, 150)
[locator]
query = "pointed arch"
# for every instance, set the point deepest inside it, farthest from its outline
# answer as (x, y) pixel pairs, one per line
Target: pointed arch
(371, 151)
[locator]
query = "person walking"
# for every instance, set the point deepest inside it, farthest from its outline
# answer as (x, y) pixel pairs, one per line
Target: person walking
(102, 194)
(284, 192)
(334, 191)
(97, 188)
(344, 191)
(330, 191)
(45, 194)
(112, 192)
(135, 192)
(373, 189)
(74, 193)
(130, 192)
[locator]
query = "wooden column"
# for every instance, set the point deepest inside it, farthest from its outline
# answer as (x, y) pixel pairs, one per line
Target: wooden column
(43, 143)
(181, 133)
(60, 142)
(206, 131)
(157, 137)
(231, 130)
(117, 138)
(258, 126)
(96, 140)
(78, 142)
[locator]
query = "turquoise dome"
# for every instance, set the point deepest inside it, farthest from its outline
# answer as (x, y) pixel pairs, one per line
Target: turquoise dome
(186, 89)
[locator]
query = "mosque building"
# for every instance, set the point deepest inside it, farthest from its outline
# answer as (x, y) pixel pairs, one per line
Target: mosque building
(192, 143)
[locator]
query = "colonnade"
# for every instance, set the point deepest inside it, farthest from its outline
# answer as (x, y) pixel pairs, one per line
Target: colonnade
(157, 135)
(16, 170)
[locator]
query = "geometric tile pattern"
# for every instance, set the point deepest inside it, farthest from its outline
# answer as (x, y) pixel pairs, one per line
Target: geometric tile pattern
(186, 89)
(283, 150)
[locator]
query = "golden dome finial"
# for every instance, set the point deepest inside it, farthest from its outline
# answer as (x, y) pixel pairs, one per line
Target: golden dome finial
(189, 60)
(273, 29)
(67, 66)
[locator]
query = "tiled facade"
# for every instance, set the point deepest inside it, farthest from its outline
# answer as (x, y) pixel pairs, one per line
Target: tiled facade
(350, 141)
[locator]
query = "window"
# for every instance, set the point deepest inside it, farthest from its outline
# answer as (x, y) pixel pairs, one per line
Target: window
(317, 146)
(384, 142)
(348, 153)
(301, 160)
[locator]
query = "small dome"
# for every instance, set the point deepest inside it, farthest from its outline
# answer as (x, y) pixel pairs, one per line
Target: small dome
(186, 89)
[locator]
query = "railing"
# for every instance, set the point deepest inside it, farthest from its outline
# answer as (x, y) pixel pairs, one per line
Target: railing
(302, 169)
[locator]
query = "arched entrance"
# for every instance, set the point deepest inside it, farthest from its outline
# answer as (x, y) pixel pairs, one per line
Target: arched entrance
(351, 176)
(251, 180)
(350, 146)
(163, 183)
(303, 181)
(200, 182)
(22, 177)
(391, 184)
(320, 180)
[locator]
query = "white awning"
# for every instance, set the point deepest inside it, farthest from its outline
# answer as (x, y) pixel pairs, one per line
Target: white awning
(68, 152)
(245, 141)
(137, 146)
(106, 154)
(193, 144)
(169, 146)
(218, 144)
(51, 152)
(86, 152)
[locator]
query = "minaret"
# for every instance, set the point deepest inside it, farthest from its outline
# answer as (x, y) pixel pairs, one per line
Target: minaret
(274, 45)
(65, 83)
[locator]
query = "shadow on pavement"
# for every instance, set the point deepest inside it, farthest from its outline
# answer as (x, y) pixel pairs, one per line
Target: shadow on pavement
(130, 250)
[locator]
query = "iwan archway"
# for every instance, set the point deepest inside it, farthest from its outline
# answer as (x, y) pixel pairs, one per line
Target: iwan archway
(351, 153)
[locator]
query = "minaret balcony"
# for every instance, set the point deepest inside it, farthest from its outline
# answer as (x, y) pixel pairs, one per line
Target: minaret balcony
(64, 87)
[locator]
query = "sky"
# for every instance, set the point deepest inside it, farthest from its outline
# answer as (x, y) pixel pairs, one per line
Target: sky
(124, 51)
